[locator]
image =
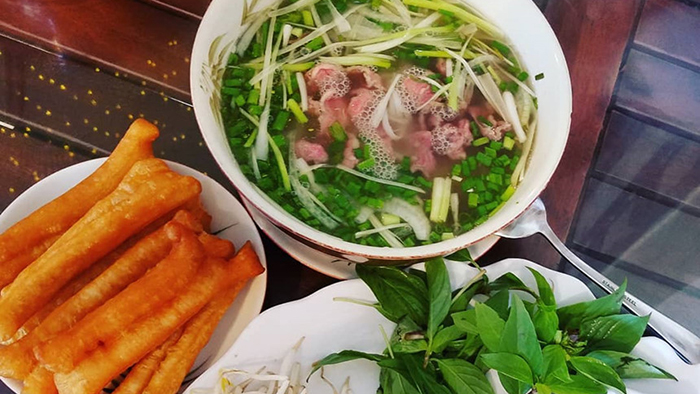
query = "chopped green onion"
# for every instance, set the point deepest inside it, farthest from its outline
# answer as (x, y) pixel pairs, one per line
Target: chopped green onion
(280, 162)
(315, 44)
(424, 53)
(389, 219)
(508, 143)
(473, 200)
(446, 236)
(481, 141)
(280, 121)
(366, 164)
(308, 18)
(338, 132)
(296, 110)
(539, 76)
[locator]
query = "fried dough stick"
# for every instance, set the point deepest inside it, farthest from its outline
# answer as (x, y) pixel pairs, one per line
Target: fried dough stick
(217, 275)
(148, 191)
(181, 356)
(158, 286)
(141, 372)
(40, 381)
(80, 281)
(17, 360)
(31, 234)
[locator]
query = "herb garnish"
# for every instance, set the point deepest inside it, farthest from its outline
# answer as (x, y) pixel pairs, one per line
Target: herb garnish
(445, 341)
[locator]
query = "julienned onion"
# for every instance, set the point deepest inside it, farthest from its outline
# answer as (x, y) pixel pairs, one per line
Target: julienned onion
(411, 214)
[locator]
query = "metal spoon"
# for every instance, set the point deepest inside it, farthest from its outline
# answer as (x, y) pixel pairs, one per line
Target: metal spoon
(534, 220)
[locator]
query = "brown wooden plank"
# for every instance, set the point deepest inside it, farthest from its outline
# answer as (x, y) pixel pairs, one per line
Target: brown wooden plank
(189, 8)
(26, 160)
(668, 27)
(660, 90)
(593, 35)
(133, 38)
(73, 101)
(646, 156)
(640, 231)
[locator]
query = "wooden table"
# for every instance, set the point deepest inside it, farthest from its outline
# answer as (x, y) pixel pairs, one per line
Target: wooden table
(74, 75)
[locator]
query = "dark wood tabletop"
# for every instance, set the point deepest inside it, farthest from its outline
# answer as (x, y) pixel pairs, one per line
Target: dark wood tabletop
(626, 194)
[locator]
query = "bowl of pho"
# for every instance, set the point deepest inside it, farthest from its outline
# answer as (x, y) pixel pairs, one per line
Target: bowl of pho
(383, 130)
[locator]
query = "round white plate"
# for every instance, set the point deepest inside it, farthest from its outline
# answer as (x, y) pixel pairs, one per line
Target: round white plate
(228, 215)
(326, 263)
(330, 326)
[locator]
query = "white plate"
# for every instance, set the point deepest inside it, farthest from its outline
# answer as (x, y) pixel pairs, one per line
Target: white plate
(325, 263)
(227, 214)
(330, 326)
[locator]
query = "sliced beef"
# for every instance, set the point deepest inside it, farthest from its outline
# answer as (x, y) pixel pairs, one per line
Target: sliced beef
(449, 140)
(414, 93)
(497, 129)
(327, 81)
(311, 152)
(423, 157)
(364, 77)
(361, 103)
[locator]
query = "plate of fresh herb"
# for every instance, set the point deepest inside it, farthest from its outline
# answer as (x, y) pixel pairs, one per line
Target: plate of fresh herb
(513, 327)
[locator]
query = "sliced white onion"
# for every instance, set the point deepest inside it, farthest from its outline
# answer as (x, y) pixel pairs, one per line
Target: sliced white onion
(302, 91)
(512, 115)
(411, 214)
(380, 110)
(286, 34)
(388, 236)
(262, 146)
(449, 67)
(364, 214)
(454, 207)
(342, 24)
(388, 129)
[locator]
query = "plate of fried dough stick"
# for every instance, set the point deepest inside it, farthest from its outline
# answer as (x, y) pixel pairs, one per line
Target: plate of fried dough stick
(124, 275)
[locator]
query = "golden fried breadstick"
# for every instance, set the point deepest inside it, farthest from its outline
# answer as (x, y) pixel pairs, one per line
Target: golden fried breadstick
(40, 381)
(14, 265)
(147, 294)
(181, 356)
(58, 215)
(17, 359)
(141, 372)
(102, 365)
(217, 247)
(146, 193)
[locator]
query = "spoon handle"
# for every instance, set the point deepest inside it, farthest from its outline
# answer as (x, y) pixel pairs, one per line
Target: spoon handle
(681, 339)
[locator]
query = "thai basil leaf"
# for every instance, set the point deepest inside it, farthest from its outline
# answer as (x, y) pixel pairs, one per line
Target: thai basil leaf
(461, 302)
(579, 384)
(630, 367)
(463, 377)
(499, 303)
(618, 332)
(571, 316)
(393, 382)
(398, 293)
(445, 336)
(510, 365)
(343, 356)
(519, 337)
(466, 321)
(471, 345)
(424, 379)
(597, 370)
(412, 346)
(543, 287)
(542, 388)
(460, 255)
(546, 324)
(513, 386)
(440, 295)
(555, 368)
(420, 274)
(509, 281)
(490, 326)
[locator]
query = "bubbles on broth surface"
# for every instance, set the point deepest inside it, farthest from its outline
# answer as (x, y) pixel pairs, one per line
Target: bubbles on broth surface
(338, 84)
(384, 166)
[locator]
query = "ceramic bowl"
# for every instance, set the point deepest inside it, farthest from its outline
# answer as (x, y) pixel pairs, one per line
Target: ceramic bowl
(532, 37)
